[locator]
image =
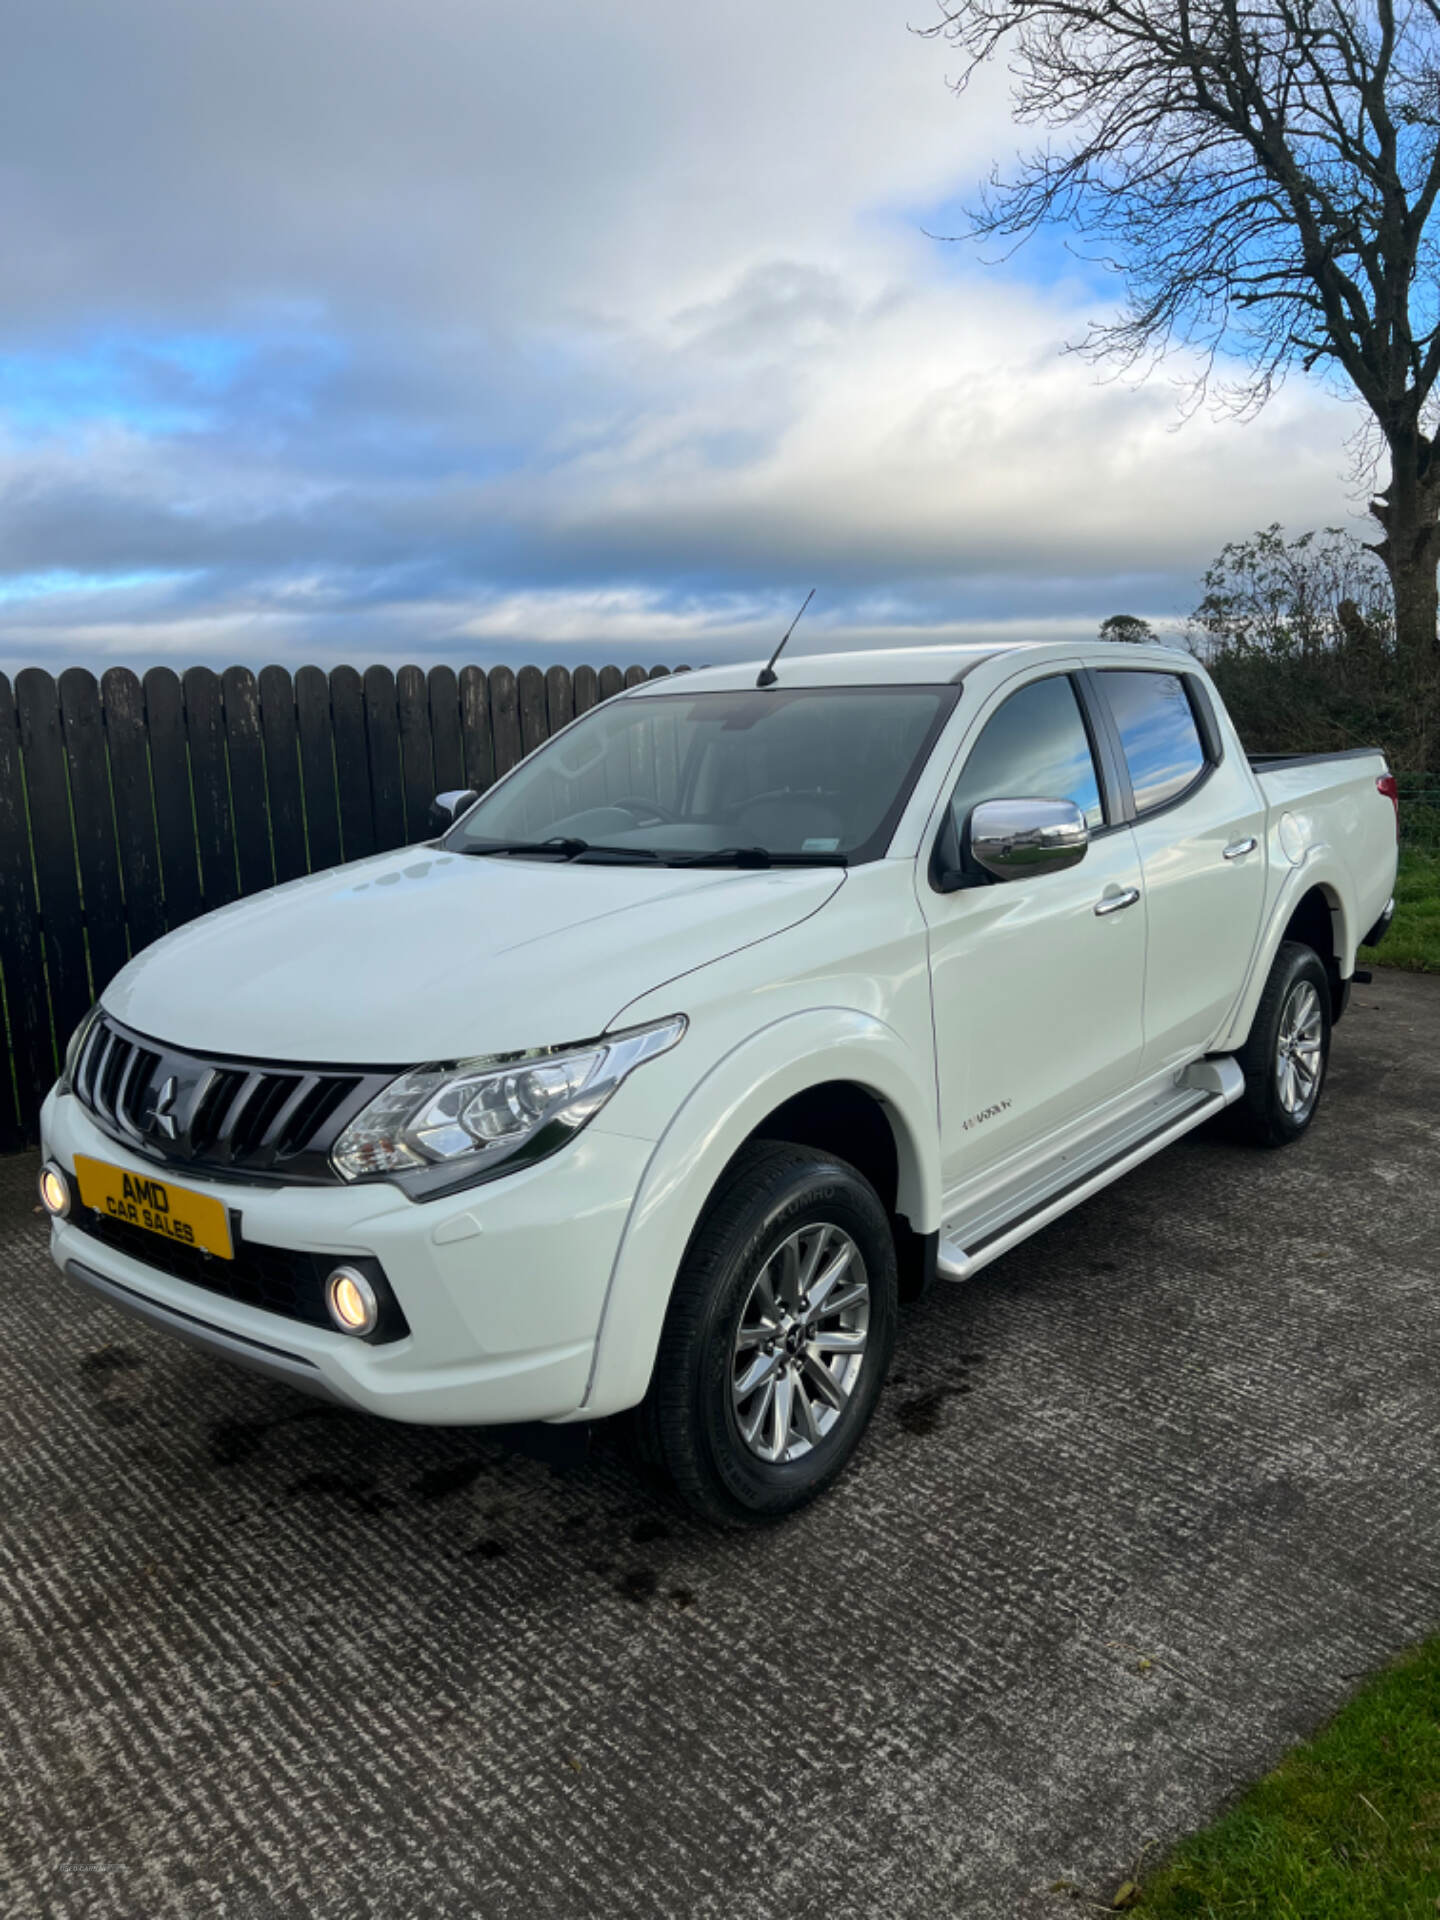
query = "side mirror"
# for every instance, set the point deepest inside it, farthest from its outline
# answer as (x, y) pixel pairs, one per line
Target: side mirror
(1021, 839)
(447, 807)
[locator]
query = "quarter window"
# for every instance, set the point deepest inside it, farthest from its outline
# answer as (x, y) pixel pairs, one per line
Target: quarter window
(1162, 745)
(1034, 747)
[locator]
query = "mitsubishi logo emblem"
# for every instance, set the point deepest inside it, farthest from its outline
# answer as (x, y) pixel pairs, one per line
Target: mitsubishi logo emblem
(162, 1116)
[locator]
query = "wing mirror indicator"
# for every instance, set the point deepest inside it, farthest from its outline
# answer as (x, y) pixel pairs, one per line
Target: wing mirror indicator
(446, 808)
(1019, 840)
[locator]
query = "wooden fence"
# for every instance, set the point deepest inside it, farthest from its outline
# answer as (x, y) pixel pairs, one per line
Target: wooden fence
(129, 806)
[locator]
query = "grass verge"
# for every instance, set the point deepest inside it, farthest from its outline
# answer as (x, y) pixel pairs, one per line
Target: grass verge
(1346, 1828)
(1414, 937)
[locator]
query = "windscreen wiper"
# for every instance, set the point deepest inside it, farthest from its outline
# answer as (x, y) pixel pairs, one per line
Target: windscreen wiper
(566, 849)
(757, 857)
(564, 846)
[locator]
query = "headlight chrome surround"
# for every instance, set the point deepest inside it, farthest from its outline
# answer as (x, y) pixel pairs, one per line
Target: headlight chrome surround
(451, 1124)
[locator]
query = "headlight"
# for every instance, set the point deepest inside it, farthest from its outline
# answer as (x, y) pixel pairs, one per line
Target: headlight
(446, 1125)
(76, 1048)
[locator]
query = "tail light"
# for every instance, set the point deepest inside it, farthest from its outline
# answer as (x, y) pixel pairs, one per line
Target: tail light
(1390, 787)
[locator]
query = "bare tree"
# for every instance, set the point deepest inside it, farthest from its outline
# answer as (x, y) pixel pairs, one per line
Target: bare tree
(1263, 176)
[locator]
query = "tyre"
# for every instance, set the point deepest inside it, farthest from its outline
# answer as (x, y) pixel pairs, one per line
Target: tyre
(1288, 1049)
(777, 1339)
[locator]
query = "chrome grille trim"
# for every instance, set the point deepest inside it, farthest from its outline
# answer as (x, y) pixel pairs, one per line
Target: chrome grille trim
(99, 1074)
(239, 1119)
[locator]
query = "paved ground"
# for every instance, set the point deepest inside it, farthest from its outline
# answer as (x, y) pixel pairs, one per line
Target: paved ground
(1141, 1504)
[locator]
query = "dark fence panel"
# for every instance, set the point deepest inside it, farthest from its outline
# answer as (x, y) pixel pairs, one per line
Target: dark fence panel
(475, 733)
(317, 769)
(27, 1009)
(352, 764)
(128, 807)
(382, 730)
(83, 727)
(504, 719)
(247, 779)
(530, 684)
(280, 734)
(443, 691)
(123, 700)
(417, 751)
(210, 786)
(559, 698)
(175, 804)
(52, 842)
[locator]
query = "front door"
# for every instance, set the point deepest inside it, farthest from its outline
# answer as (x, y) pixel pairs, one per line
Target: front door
(1037, 995)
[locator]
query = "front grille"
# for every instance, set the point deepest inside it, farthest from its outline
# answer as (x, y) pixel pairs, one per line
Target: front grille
(274, 1278)
(238, 1118)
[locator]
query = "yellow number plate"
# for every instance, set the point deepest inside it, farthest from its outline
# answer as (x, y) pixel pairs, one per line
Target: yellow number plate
(190, 1219)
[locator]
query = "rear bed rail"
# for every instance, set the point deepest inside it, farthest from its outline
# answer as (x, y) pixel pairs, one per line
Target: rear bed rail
(1263, 762)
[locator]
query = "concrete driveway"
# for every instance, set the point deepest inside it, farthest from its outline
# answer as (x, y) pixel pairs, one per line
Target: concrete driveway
(1141, 1504)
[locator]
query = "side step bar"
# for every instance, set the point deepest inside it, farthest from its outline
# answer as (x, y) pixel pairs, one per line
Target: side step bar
(1219, 1082)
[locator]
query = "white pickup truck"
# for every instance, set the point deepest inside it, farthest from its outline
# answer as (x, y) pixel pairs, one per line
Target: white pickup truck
(726, 1022)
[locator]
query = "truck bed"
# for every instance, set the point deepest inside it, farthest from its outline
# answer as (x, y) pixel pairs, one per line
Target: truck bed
(1336, 799)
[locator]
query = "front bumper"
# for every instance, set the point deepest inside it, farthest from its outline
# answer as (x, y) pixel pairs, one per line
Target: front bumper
(502, 1286)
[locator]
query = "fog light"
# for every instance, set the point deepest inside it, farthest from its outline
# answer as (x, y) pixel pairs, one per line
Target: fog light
(351, 1300)
(54, 1190)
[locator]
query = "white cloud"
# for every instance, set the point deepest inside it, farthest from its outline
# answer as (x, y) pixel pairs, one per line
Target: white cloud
(451, 320)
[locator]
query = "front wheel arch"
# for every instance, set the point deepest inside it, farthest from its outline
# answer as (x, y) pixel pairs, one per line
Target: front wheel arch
(692, 1424)
(789, 1058)
(848, 1120)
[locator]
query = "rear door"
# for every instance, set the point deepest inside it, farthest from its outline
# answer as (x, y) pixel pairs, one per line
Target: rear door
(1198, 820)
(1037, 983)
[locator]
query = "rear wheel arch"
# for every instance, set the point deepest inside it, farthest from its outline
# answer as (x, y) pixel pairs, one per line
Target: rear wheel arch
(1308, 909)
(1317, 921)
(1292, 1025)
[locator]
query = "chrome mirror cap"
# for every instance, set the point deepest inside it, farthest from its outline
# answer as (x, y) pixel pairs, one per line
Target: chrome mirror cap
(1020, 839)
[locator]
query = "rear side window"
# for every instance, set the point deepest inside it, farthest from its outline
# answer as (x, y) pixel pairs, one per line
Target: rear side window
(1034, 747)
(1163, 749)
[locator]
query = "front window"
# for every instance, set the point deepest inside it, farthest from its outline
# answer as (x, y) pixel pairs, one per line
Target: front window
(810, 774)
(1034, 747)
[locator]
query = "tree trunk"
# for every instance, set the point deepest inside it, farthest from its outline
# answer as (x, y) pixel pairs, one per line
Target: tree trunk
(1413, 577)
(1409, 511)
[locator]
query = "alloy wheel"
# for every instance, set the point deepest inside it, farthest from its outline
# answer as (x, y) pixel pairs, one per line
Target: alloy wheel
(1299, 1057)
(800, 1347)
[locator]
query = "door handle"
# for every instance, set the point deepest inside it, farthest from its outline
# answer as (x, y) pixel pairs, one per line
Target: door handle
(1237, 849)
(1116, 902)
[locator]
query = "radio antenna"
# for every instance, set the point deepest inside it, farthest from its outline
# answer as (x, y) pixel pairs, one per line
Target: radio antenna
(768, 675)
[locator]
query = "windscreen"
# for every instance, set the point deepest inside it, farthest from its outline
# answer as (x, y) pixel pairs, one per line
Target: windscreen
(814, 773)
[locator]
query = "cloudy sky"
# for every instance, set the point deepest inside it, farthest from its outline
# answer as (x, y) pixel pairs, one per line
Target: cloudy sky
(417, 329)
